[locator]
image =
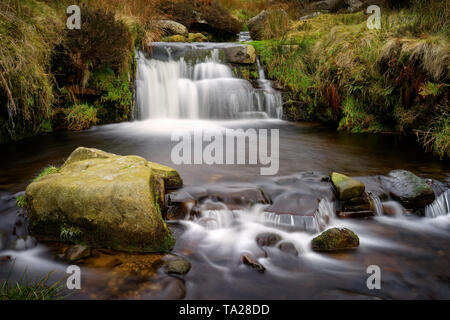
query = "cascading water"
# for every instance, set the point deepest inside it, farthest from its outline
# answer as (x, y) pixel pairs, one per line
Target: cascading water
(377, 204)
(440, 206)
(198, 87)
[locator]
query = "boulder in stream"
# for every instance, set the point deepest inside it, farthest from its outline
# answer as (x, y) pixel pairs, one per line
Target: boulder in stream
(103, 200)
(335, 239)
(410, 190)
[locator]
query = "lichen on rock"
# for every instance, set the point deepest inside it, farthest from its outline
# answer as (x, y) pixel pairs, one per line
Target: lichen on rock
(335, 239)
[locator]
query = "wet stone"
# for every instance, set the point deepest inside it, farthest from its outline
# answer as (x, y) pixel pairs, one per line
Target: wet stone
(356, 214)
(410, 190)
(250, 261)
(267, 239)
(77, 252)
(335, 239)
(288, 247)
(177, 266)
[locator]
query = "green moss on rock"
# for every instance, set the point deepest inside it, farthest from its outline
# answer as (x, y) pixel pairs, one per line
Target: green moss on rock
(335, 239)
(347, 187)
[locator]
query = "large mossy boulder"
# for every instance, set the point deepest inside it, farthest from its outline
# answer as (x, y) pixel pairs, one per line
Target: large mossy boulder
(347, 187)
(103, 200)
(335, 239)
(410, 190)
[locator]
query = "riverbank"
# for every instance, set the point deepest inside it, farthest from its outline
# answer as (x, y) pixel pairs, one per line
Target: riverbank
(336, 70)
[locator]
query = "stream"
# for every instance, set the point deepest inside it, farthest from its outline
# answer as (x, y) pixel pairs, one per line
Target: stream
(187, 87)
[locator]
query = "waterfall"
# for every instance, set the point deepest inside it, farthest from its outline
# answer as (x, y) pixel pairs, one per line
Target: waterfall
(440, 206)
(202, 87)
(376, 204)
(324, 216)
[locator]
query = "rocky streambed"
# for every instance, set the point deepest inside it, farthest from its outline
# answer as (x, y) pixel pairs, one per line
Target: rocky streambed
(137, 231)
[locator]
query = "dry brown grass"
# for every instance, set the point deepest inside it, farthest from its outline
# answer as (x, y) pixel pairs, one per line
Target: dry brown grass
(25, 49)
(141, 12)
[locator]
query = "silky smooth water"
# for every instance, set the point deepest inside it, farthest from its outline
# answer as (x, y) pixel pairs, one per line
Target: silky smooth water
(203, 87)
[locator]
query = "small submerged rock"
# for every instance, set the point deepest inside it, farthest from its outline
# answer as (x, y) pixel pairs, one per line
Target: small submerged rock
(335, 239)
(77, 252)
(252, 262)
(178, 265)
(267, 239)
(288, 247)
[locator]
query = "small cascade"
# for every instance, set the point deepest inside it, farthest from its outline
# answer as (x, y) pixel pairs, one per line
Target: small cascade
(217, 219)
(326, 212)
(376, 204)
(184, 81)
(324, 216)
(244, 36)
(440, 206)
(261, 73)
(290, 222)
(393, 208)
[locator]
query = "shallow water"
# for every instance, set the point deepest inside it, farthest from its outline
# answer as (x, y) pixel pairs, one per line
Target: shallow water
(413, 253)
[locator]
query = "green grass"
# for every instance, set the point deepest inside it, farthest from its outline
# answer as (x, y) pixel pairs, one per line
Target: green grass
(21, 202)
(46, 171)
(80, 116)
(361, 80)
(26, 290)
(70, 234)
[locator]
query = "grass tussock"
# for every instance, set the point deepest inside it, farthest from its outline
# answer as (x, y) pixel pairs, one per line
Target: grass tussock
(80, 117)
(46, 171)
(28, 33)
(24, 289)
(21, 202)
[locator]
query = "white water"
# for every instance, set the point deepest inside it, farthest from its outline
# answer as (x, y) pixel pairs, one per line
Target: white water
(440, 206)
(377, 205)
(205, 89)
